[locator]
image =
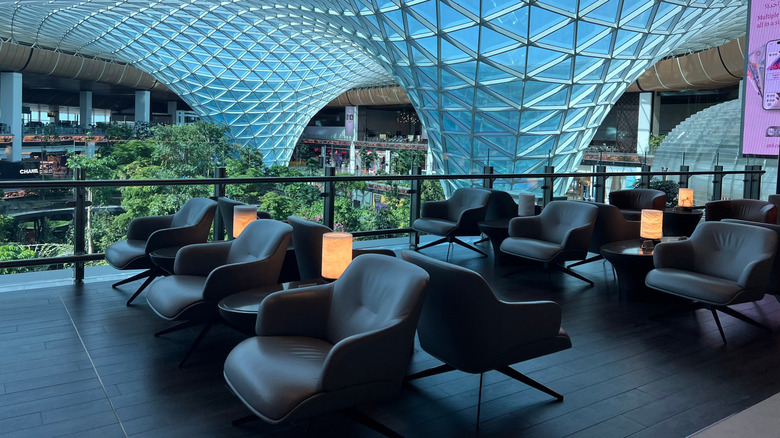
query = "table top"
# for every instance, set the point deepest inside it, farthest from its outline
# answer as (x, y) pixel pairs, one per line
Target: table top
(249, 300)
(626, 247)
(496, 223)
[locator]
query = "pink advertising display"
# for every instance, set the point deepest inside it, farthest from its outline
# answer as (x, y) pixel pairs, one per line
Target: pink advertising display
(761, 118)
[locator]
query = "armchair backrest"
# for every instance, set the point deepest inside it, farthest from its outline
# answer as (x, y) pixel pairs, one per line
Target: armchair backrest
(376, 292)
(724, 250)
(500, 206)
(746, 209)
(261, 239)
(559, 217)
(307, 241)
(638, 199)
(774, 279)
(610, 226)
(459, 323)
(225, 210)
(468, 198)
(196, 212)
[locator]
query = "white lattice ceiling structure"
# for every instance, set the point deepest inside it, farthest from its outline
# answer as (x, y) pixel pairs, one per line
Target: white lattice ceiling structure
(512, 82)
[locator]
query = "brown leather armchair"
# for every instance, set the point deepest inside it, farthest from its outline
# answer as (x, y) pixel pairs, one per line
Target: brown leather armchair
(191, 224)
(454, 217)
(464, 325)
(745, 209)
(720, 265)
(632, 202)
(206, 273)
(329, 347)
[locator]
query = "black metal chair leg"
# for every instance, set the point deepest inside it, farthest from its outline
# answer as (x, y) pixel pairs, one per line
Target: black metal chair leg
(582, 262)
(430, 372)
(176, 328)
(479, 399)
(568, 271)
(135, 277)
(151, 277)
(720, 327)
(466, 245)
(511, 372)
(196, 342)
(428, 245)
(359, 417)
(731, 312)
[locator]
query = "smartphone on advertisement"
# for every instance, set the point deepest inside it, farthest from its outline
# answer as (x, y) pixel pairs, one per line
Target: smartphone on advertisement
(771, 100)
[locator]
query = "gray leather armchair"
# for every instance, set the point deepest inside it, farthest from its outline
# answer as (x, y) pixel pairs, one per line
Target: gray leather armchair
(562, 232)
(465, 326)
(206, 273)
(722, 264)
(775, 200)
(632, 202)
(307, 241)
(774, 278)
(191, 224)
(330, 347)
(454, 217)
(611, 226)
(753, 210)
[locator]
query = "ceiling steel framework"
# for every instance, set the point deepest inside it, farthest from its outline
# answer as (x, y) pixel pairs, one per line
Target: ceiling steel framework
(505, 83)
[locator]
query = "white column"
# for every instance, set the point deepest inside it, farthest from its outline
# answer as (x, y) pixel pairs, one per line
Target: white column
(643, 127)
(655, 125)
(172, 107)
(85, 109)
(143, 106)
(11, 110)
(352, 157)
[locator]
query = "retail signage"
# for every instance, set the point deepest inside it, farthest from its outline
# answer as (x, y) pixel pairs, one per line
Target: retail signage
(12, 170)
(761, 106)
(349, 122)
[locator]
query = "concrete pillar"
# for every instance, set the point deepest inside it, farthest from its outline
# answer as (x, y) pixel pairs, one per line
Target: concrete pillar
(143, 106)
(352, 157)
(643, 126)
(11, 110)
(172, 107)
(655, 125)
(85, 109)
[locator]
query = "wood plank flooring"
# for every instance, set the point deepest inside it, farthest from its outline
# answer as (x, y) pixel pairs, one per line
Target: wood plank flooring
(75, 361)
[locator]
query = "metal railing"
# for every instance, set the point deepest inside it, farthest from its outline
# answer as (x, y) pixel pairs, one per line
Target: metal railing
(752, 183)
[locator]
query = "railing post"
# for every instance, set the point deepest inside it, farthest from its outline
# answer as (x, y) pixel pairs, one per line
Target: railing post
(757, 182)
(747, 184)
(684, 178)
(219, 191)
(717, 184)
(644, 179)
(329, 193)
(488, 182)
(414, 206)
(79, 226)
(547, 188)
(599, 188)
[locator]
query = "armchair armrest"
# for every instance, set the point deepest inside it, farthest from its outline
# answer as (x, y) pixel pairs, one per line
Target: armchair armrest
(298, 312)
(528, 321)
(674, 255)
(201, 258)
(756, 273)
(437, 209)
(469, 218)
(166, 237)
(142, 227)
(236, 277)
(366, 356)
(577, 238)
(525, 226)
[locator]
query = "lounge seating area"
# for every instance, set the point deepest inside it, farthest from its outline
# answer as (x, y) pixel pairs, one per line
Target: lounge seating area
(76, 361)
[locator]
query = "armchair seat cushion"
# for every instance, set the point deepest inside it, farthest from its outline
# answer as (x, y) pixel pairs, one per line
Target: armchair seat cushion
(699, 287)
(439, 227)
(531, 248)
(170, 296)
(276, 373)
(530, 350)
(128, 254)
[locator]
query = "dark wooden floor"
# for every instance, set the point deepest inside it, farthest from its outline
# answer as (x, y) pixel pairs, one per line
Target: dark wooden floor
(74, 361)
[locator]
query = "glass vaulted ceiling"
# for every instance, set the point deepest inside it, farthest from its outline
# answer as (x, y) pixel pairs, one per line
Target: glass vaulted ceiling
(515, 81)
